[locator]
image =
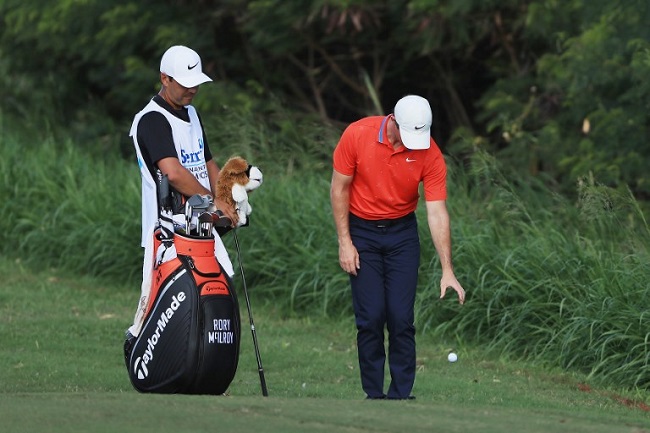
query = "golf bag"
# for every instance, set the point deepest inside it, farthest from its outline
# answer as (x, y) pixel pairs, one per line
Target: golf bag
(189, 341)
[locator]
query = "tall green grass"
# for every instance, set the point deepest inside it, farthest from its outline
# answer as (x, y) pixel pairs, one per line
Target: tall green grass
(559, 281)
(290, 249)
(61, 207)
(550, 280)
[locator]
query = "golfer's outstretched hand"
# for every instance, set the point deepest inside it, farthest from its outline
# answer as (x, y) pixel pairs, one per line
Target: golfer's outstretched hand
(450, 281)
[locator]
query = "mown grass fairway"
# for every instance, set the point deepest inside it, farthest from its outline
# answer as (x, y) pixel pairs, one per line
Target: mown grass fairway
(63, 371)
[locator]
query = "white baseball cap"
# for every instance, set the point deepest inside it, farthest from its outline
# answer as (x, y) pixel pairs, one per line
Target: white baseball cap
(183, 65)
(413, 115)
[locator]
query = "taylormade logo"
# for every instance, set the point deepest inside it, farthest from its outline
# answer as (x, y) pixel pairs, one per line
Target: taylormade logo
(140, 364)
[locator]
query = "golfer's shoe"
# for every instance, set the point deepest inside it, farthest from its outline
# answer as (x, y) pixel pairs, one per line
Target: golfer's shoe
(410, 397)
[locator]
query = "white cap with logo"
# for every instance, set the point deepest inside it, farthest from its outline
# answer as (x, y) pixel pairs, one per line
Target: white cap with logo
(183, 65)
(413, 115)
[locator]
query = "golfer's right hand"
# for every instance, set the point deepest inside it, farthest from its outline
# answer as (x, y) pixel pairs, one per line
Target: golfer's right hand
(349, 257)
(449, 280)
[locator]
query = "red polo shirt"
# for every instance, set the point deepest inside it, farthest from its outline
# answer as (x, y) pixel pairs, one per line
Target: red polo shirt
(386, 181)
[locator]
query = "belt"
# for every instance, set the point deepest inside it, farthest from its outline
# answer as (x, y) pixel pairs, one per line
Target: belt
(383, 223)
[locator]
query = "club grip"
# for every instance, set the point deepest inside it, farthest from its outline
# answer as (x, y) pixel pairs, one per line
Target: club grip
(164, 197)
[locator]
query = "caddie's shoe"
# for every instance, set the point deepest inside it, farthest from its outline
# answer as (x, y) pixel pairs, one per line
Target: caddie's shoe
(128, 346)
(378, 397)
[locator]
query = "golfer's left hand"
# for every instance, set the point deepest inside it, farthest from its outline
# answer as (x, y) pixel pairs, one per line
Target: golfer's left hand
(451, 281)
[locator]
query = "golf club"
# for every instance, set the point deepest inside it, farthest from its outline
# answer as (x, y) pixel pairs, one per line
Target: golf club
(193, 204)
(260, 369)
(166, 215)
(188, 216)
(205, 224)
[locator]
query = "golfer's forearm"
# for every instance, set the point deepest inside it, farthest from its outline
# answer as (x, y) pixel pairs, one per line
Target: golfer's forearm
(442, 242)
(340, 200)
(340, 210)
(440, 228)
(342, 223)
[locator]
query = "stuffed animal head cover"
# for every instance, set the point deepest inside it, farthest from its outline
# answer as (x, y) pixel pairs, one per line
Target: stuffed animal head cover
(236, 178)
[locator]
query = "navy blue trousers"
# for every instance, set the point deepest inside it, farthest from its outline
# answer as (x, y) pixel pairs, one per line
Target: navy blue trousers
(383, 297)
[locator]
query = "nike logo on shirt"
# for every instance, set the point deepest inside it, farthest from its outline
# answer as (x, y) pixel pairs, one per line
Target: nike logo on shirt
(410, 160)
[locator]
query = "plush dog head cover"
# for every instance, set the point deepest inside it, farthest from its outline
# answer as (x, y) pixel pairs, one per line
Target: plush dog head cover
(236, 177)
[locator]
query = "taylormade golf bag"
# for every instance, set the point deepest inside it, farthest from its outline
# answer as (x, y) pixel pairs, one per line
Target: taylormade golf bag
(189, 342)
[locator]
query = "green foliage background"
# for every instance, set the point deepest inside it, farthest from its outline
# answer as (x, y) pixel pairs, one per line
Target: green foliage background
(555, 88)
(548, 280)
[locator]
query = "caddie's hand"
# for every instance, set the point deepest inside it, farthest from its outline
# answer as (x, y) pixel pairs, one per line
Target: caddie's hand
(451, 281)
(226, 210)
(349, 257)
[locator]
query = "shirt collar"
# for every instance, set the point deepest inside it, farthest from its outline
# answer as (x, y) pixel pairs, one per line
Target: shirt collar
(382, 130)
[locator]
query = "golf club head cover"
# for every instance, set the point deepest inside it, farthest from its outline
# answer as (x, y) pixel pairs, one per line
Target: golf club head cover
(189, 343)
(235, 180)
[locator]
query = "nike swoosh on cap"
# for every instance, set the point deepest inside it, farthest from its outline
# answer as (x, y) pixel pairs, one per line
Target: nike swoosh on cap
(192, 67)
(417, 128)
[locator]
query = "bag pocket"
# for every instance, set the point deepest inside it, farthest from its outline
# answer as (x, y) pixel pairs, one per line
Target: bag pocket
(220, 337)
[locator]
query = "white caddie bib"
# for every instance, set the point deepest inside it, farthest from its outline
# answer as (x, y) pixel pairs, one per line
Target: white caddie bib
(188, 140)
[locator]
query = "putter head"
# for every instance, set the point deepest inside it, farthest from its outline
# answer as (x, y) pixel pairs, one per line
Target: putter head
(220, 220)
(222, 223)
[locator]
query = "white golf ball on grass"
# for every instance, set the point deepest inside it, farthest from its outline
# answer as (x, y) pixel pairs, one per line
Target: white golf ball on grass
(452, 357)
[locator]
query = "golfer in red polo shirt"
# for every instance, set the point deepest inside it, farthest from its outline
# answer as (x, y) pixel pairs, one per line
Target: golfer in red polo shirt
(379, 164)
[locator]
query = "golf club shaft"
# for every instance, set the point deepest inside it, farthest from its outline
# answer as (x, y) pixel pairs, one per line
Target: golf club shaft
(260, 369)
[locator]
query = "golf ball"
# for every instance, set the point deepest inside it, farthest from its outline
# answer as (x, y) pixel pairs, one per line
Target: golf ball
(452, 357)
